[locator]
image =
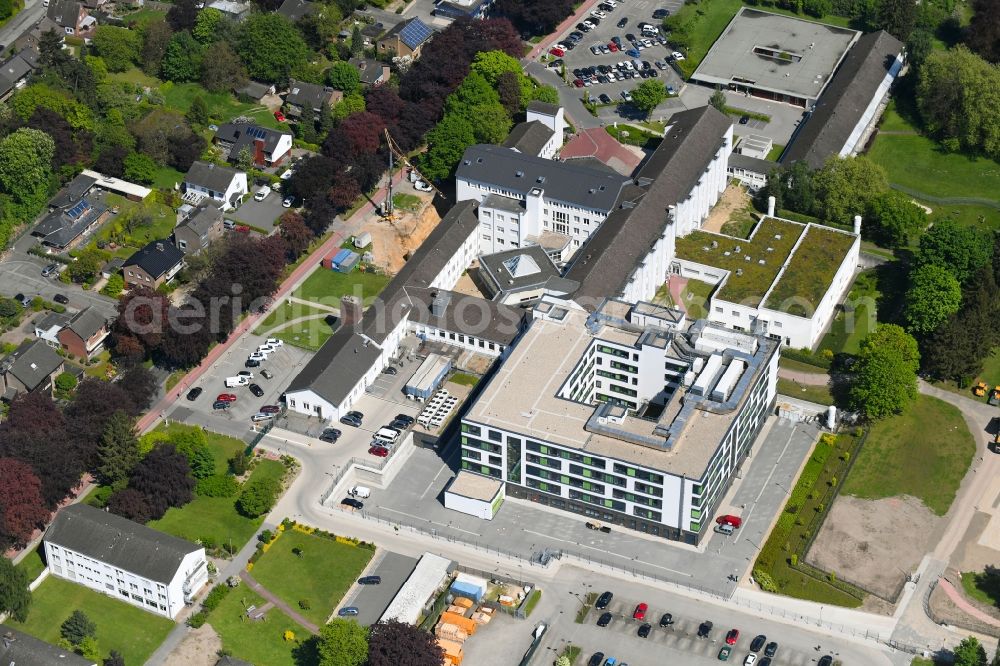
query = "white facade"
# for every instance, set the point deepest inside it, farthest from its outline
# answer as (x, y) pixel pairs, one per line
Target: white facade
(236, 188)
(869, 119)
(751, 178)
(555, 122)
(166, 599)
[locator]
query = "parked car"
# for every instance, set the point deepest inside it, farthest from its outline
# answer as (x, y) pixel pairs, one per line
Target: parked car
(256, 390)
(287, 202)
(262, 193)
(826, 660)
(666, 620)
(279, 116)
(61, 299)
(622, 22)
(261, 416)
(245, 373)
(627, 96)
(586, 26)
(727, 519)
(557, 63)
(330, 435)
(269, 409)
(661, 13)
(405, 418)
(348, 610)
(677, 55)
(633, 53)
(744, 119)
(252, 363)
(757, 643)
(422, 186)
(378, 451)
(604, 600)
(288, 173)
(644, 630)
(640, 611)
(274, 342)
(400, 425)
(750, 660)
(220, 404)
(23, 300)
(226, 397)
(604, 620)
(725, 652)
(370, 580)
(352, 419)
(50, 269)
(771, 649)
(556, 51)
(194, 393)
(732, 636)
(596, 659)
(266, 374)
(704, 629)
(605, 99)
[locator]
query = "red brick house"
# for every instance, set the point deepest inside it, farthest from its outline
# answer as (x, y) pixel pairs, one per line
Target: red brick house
(84, 335)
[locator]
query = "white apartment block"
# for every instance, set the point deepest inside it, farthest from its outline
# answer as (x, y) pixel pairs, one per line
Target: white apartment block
(125, 560)
(631, 414)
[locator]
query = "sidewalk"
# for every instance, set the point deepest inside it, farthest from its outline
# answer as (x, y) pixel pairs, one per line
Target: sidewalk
(553, 37)
(278, 603)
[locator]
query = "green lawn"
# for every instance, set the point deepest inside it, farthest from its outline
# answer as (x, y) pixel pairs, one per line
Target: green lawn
(262, 642)
(144, 16)
(918, 163)
(223, 447)
(32, 564)
(120, 626)
(323, 573)
(924, 452)
(404, 201)
(989, 374)
(695, 297)
(326, 286)
(310, 334)
(222, 107)
(167, 177)
(162, 224)
(741, 223)
(216, 517)
(464, 379)
(983, 586)
(798, 366)
(285, 313)
(852, 324)
(818, 394)
(775, 152)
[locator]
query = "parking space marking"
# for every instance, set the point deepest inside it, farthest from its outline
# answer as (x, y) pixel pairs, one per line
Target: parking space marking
(421, 518)
(433, 481)
(606, 552)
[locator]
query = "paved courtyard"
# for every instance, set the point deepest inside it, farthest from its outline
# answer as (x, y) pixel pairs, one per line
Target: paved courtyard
(372, 600)
(416, 498)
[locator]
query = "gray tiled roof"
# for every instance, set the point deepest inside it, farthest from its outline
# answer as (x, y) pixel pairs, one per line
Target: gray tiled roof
(335, 369)
(33, 362)
(52, 320)
(12, 71)
(119, 542)
(157, 258)
(64, 12)
(503, 203)
(301, 93)
(210, 176)
(609, 257)
(543, 107)
(202, 221)
(752, 163)
(845, 100)
(562, 181)
(72, 191)
(253, 89)
(64, 225)
(293, 10)
(528, 138)
(502, 268)
(369, 69)
(87, 322)
(17, 647)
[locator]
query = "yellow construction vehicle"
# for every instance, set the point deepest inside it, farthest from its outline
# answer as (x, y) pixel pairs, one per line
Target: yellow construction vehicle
(979, 389)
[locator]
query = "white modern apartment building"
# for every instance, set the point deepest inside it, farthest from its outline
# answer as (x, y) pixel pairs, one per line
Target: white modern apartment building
(523, 196)
(125, 560)
(630, 414)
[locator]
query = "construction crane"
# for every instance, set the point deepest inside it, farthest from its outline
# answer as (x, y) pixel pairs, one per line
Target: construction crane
(388, 212)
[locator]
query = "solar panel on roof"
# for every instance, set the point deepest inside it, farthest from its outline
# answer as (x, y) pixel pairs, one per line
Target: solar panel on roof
(79, 209)
(256, 132)
(415, 33)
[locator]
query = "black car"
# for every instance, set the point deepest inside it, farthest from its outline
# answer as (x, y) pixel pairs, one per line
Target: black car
(661, 13)
(654, 74)
(582, 28)
(766, 661)
(330, 435)
(644, 630)
(622, 23)
(744, 119)
(704, 629)
(405, 418)
(194, 393)
(370, 580)
(604, 620)
(252, 363)
(596, 660)
(389, 370)
(352, 419)
(256, 390)
(827, 660)
(353, 503)
(604, 99)
(629, 36)
(666, 620)
(569, 44)
(576, 34)
(556, 64)
(757, 643)
(399, 425)
(594, 20)
(771, 649)
(221, 404)
(61, 299)
(603, 601)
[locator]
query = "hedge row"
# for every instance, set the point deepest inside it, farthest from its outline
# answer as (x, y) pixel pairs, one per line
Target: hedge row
(210, 603)
(806, 356)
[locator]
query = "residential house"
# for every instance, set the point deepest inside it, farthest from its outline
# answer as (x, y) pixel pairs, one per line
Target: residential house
(293, 10)
(84, 335)
(17, 647)
(71, 17)
(48, 325)
(459, 9)
(372, 72)
(130, 562)
(221, 184)
(198, 229)
(33, 367)
(31, 38)
(72, 215)
(153, 265)
(268, 147)
(303, 95)
(253, 92)
(112, 267)
(14, 73)
(405, 39)
(234, 11)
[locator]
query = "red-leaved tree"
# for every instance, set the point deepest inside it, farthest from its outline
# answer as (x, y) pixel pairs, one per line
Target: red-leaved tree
(22, 508)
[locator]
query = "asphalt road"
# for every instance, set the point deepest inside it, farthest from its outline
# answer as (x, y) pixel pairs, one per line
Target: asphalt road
(22, 274)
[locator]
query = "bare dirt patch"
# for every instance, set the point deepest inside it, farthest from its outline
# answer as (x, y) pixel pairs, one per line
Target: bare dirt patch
(734, 199)
(874, 544)
(393, 242)
(199, 648)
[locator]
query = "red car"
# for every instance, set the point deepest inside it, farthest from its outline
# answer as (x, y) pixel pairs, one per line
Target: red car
(242, 228)
(640, 612)
(578, 83)
(279, 116)
(556, 51)
(735, 521)
(270, 409)
(612, 47)
(379, 451)
(732, 636)
(226, 397)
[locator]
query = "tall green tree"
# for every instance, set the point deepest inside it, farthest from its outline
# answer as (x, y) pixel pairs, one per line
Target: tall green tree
(884, 378)
(118, 453)
(357, 41)
(959, 249)
(846, 186)
(897, 17)
(970, 652)
(221, 69)
(155, 38)
(344, 76)
(718, 100)
(182, 60)
(934, 296)
(446, 144)
(891, 218)
(206, 26)
(119, 47)
(15, 598)
(77, 627)
(647, 95)
(983, 32)
(193, 445)
(270, 47)
(343, 643)
(26, 164)
(198, 112)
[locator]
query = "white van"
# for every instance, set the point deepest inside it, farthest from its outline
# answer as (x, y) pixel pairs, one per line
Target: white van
(386, 436)
(239, 380)
(650, 30)
(360, 491)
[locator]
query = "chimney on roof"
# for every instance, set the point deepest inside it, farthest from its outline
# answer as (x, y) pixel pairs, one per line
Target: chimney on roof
(159, 247)
(350, 310)
(857, 225)
(770, 206)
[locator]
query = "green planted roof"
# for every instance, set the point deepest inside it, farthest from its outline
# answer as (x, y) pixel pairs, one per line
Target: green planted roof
(811, 271)
(772, 242)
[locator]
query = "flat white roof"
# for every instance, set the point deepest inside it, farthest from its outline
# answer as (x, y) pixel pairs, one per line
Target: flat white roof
(426, 578)
(475, 486)
(118, 185)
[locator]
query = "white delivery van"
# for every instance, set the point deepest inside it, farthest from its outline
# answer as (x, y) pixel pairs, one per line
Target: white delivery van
(386, 436)
(237, 381)
(360, 491)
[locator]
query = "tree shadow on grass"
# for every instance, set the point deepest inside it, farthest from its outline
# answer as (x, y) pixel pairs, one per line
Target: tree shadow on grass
(307, 652)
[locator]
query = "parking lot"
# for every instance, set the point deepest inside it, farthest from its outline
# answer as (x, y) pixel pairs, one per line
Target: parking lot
(260, 214)
(372, 600)
(635, 12)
